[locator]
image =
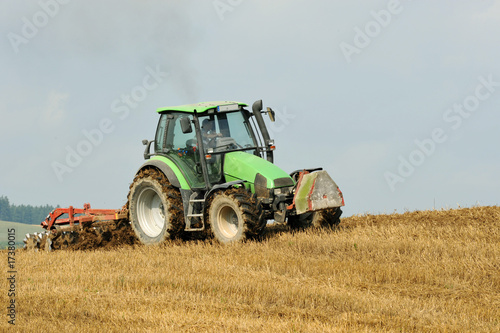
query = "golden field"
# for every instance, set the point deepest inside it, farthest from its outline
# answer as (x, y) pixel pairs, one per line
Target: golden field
(429, 271)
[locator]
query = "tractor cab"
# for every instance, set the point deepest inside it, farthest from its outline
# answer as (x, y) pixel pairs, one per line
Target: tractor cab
(197, 137)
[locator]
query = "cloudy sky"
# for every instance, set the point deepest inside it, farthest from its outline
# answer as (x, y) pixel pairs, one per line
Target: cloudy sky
(397, 100)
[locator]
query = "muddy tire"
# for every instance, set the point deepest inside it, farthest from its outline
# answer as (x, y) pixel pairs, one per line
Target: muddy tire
(234, 216)
(155, 208)
(324, 218)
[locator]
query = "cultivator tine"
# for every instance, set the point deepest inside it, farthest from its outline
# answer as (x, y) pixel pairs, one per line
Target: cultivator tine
(48, 244)
(25, 241)
(31, 242)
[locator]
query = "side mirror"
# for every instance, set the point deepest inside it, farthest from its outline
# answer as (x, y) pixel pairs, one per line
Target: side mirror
(271, 114)
(186, 125)
(147, 143)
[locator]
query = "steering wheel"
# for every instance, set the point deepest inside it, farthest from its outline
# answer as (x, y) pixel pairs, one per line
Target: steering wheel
(230, 145)
(191, 143)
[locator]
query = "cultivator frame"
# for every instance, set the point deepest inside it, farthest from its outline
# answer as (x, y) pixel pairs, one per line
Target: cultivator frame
(80, 217)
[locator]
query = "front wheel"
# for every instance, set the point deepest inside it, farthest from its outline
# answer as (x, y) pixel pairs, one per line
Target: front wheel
(154, 208)
(235, 215)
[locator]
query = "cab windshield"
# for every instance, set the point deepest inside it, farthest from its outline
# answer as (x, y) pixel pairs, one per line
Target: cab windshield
(227, 131)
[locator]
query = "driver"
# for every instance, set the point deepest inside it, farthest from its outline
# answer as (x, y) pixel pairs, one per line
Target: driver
(208, 132)
(208, 129)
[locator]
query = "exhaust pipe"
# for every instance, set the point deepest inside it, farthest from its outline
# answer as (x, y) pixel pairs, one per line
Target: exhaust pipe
(257, 108)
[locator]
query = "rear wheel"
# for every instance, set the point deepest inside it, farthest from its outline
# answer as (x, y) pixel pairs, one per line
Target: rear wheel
(154, 208)
(320, 219)
(234, 216)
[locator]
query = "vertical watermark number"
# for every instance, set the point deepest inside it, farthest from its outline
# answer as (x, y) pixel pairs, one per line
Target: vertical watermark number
(11, 273)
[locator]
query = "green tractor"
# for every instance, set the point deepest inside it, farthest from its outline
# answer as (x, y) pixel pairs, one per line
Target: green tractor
(211, 170)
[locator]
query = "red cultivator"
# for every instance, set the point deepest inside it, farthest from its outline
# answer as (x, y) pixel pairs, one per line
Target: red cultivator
(67, 226)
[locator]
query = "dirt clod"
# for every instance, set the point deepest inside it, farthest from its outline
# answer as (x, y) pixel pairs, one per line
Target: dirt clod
(105, 237)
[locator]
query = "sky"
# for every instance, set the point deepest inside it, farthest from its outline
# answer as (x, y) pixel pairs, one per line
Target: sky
(397, 100)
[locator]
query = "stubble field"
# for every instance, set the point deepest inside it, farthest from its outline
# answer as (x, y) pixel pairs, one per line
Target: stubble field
(430, 271)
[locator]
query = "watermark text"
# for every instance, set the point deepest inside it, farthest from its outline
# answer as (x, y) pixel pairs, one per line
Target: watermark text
(453, 117)
(371, 30)
(222, 7)
(94, 137)
(11, 276)
(31, 26)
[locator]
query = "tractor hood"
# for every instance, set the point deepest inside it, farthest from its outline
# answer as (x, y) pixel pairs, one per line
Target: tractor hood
(243, 166)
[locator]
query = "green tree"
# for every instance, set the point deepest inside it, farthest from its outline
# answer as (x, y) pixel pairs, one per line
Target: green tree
(5, 209)
(23, 213)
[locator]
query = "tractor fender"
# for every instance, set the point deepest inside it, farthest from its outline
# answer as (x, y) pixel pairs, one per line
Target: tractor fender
(223, 186)
(167, 171)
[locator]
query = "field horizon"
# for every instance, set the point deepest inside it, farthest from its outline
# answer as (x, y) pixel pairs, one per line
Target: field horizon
(421, 271)
(21, 229)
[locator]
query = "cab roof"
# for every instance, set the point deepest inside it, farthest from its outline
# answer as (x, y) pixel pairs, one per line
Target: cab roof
(199, 107)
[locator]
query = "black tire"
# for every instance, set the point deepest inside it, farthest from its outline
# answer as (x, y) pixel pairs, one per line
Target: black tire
(328, 218)
(155, 208)
(234, 216)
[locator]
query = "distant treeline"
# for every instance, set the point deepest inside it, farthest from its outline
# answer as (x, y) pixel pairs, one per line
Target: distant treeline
(23, 213)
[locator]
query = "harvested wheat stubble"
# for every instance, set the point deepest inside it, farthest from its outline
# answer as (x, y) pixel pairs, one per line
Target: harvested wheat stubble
(429, 271)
